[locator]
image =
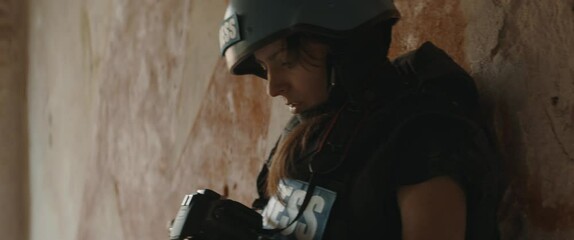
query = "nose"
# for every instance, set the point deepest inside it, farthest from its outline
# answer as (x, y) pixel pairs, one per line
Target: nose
(276, 84)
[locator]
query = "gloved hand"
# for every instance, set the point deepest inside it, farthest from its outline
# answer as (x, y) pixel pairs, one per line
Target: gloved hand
(205, 215)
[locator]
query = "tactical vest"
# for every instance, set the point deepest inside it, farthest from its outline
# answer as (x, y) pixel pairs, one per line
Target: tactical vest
(364, 136)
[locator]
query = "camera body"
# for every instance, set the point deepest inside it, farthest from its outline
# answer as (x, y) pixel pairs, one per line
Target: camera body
(206, 215)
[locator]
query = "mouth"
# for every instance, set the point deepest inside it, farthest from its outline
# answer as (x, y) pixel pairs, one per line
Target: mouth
(292, 106)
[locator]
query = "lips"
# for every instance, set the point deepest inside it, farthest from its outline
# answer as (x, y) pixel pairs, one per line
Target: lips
(292, 106)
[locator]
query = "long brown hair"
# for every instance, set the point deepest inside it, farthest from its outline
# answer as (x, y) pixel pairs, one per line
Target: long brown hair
(282, 164)
(358, 52)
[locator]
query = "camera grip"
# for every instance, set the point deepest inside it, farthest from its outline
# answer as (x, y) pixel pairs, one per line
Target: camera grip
(205, 215)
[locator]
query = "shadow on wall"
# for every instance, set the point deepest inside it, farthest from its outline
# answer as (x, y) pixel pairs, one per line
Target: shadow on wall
(14, 203)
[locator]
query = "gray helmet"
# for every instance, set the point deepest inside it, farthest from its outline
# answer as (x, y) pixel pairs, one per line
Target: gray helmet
(251, 24)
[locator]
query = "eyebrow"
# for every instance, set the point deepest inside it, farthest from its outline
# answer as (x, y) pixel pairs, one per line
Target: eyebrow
(272, 56)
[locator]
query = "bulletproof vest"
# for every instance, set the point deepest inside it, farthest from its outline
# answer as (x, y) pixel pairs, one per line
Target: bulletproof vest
(429, 82)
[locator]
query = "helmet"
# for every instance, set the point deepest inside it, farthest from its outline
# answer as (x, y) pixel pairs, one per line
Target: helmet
(251, 24)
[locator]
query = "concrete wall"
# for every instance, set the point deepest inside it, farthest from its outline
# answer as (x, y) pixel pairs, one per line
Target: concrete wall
(13, 174)
(130, 108)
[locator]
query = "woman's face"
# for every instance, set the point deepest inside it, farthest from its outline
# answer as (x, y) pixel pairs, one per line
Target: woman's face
(301, 85)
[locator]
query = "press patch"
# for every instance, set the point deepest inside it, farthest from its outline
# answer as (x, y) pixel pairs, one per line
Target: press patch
(229, 33)
(312, 224)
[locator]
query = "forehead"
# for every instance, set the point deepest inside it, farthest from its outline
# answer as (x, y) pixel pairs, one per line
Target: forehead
(268, 51)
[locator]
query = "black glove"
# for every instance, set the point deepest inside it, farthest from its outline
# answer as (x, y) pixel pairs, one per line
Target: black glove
(205, 215)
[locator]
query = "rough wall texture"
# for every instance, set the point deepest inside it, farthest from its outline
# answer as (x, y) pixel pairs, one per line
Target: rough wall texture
(13, 174)
(520, 52)
(131, 108)
(525, 64)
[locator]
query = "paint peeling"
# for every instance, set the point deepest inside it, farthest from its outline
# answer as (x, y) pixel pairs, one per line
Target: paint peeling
(483, 32)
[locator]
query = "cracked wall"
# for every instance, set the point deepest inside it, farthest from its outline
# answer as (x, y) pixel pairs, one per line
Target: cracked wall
(130, 108)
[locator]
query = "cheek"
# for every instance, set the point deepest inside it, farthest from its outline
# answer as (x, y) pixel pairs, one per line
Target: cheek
(310, 84)
(317, 87)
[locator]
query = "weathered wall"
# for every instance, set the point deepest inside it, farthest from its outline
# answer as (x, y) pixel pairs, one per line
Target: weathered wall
(130, 108)
(525, 64)
(13, 174)
(521, 54)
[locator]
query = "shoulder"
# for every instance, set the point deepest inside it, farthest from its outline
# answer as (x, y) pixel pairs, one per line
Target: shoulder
(434, 145)
(434, 128)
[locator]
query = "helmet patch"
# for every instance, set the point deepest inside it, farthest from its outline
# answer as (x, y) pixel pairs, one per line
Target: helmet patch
(229, 33)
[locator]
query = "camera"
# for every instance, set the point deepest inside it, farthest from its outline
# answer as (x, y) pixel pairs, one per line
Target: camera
(206, 215)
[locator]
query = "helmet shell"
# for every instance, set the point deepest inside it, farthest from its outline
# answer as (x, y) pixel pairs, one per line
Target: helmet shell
(251, 24)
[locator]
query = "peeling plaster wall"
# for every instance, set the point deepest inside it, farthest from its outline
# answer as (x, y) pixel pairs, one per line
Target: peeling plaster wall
(115, 89)
(521, 54)
(525, 63)
(130, 107)
(13, 174)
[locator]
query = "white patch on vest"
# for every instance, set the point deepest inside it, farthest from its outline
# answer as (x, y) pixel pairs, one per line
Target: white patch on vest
(311, 225)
